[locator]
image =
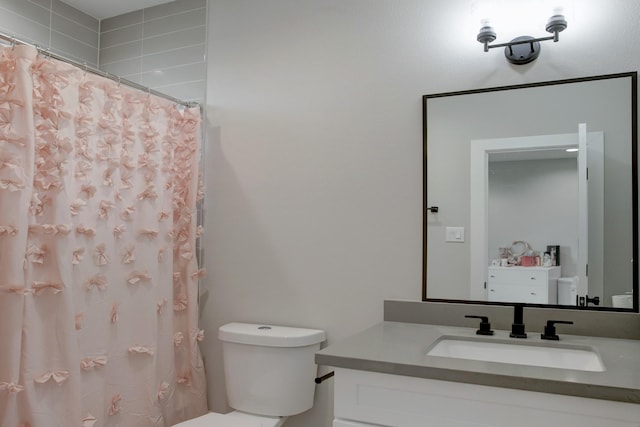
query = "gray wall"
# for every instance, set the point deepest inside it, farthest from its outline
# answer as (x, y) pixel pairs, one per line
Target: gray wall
(54, 25)
(535, 201)
(162, 47)
(314, 156)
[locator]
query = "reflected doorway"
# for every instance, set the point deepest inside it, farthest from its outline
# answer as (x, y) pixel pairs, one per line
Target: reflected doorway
(531, 189)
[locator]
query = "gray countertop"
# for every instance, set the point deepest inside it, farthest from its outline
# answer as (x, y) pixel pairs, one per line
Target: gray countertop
(400, 348)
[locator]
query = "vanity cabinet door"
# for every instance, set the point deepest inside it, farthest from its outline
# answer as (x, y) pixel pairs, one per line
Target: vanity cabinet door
(364, 398)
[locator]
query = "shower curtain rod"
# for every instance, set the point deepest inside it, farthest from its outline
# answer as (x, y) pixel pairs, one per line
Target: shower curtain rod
(47, 52)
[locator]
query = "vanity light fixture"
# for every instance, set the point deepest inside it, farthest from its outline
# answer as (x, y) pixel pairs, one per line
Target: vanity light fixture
(571, 150)
(523, 49)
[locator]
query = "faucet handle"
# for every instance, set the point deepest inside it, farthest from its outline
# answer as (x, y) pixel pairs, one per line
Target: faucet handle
(517, 327)
(550, 329)
(485, 326)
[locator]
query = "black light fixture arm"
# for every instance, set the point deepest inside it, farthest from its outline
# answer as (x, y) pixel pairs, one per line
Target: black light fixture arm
(518, 42)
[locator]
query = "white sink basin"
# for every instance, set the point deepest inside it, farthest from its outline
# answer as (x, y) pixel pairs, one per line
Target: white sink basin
(564, 357)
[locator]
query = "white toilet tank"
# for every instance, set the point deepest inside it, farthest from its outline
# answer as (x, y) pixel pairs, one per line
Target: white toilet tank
(269, 370)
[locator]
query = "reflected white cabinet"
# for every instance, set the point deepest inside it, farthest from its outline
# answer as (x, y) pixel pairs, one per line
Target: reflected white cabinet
(363, 399)
(534, 285)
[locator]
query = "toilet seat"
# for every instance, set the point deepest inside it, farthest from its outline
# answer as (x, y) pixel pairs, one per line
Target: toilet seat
(232, 419)
(213, 419)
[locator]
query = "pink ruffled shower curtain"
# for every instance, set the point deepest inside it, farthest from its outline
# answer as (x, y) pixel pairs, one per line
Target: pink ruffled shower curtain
(98, 277)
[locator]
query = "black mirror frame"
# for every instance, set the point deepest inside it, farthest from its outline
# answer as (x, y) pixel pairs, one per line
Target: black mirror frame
(426, 210)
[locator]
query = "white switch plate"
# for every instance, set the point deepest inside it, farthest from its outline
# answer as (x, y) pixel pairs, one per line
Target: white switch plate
(454, 234)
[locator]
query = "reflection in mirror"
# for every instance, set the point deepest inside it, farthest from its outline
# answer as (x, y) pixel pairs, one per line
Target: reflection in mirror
(536, 189)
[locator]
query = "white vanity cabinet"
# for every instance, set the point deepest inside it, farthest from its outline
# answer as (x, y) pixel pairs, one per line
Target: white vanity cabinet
(364, 398)
(535, 285)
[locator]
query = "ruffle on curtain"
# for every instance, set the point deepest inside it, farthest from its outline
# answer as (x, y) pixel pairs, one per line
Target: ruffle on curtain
(98, 182)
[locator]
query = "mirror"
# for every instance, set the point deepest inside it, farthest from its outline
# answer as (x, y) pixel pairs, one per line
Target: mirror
(511, 216)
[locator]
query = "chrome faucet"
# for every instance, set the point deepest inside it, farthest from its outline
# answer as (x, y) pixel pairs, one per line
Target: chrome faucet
(517, 328)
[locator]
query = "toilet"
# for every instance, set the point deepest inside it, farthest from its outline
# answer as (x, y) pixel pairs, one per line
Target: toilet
(622, 301)
(567, 290)
(269, 373)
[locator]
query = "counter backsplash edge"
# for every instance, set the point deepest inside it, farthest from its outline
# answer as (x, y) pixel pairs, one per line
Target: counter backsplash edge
(610, 324)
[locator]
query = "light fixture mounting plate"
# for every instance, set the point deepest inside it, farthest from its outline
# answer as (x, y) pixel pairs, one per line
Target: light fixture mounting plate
(522, 53)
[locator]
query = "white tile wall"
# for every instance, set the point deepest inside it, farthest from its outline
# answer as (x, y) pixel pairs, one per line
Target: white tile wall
(54, 25)
(72, 13)
(176, 22)
(171, 58)
(162, 47)
(123, 68)
(72, 29)
(121, 21)
(174, 40)
(119, 52)
(173, 8)
(74, 49)
(120, 36)
(169, 76)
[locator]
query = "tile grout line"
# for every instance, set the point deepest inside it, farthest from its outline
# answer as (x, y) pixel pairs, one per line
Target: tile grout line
(50, 21)
(159, 53)
(186, 64)
(76, 22)
(174, 14)
(21, 34)
(99, 41)
(49, 28)
(155, 36)
(68, 18)
(141, 49)
(73, 38)
(153, 19)
(179, 83)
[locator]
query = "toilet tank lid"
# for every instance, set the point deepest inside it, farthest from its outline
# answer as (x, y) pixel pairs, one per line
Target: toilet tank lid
(269, 335)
